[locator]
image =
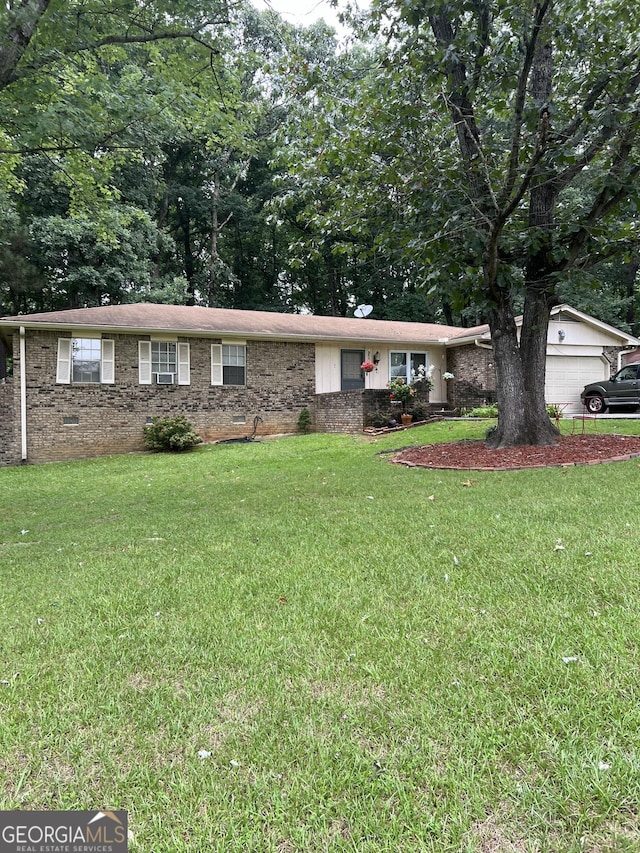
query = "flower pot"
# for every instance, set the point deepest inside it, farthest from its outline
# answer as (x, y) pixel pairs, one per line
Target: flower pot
(406, 419)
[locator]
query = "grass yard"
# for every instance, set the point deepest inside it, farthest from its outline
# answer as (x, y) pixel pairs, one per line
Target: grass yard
(293, 645)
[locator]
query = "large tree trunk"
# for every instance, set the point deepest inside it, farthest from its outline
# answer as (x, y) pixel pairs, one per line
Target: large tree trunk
(533, 352)
(521, 368)
(520, 372)
(509, 379)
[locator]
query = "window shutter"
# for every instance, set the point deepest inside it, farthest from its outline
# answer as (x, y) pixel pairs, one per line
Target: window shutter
(183, 365)
(144, 362)
(63, 370)
(216, 364)
(107, 364)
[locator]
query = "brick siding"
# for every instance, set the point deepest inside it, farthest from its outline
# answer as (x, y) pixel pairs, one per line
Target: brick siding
(611, 354)
(108, 419)
(339, 411)
(475, 379)
(9, 452)
(350, 411)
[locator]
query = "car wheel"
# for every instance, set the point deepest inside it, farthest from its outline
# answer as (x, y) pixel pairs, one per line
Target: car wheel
(596, 405)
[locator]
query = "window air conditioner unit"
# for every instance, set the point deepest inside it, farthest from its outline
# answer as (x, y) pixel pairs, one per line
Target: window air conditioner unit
(165, 378)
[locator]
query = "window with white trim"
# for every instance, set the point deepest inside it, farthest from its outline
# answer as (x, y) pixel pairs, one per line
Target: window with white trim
(163, 363)
(228, 364)
(407, 365)
(164, 357)
(85, 360)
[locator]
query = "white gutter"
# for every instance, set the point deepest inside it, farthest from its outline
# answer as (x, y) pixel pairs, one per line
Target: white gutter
(23, 395)
(482, 344)
(624, 352)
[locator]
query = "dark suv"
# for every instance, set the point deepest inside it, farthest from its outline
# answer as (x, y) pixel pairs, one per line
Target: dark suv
(623, 389)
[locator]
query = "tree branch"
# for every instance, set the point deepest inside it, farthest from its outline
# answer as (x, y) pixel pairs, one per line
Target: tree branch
(608, 132)
(462, 113)
(615, 189)
(521, 95)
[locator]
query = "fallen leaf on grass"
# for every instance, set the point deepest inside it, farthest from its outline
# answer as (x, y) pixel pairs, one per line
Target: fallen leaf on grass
(467, 483)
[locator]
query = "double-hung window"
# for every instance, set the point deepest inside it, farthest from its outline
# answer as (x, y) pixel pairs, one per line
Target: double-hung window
(163, 363)
(407, 365)
(85, 360)
(164, 357)
(228, 364)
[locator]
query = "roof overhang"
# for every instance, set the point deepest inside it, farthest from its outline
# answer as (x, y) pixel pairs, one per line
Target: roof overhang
(482, 334)
(230, 323)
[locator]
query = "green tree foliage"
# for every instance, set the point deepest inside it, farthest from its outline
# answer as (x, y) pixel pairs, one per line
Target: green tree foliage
(125, 143)
(493, 148)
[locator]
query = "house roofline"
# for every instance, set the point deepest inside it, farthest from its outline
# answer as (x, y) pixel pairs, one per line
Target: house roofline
(483, 333)
(194, 321)
(254, 325)
(219, 333)
(594, 322)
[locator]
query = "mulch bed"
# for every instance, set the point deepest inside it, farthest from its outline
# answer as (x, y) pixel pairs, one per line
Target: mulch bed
(475, 455)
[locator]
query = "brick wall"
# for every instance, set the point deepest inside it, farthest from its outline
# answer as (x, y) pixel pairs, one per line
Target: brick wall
(105, 419)
(376, 404)
(611, 354)
(351, 411)
(9, 452)
(339, 411)
(475, 380)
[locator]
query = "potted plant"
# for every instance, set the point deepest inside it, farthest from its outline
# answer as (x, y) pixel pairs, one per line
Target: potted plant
(401, 392)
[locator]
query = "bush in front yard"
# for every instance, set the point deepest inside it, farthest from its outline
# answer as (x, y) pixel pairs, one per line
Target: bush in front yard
(170, 434)
(488, 411)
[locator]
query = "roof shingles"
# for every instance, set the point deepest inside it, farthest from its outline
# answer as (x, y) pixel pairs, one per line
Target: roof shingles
(152, 317)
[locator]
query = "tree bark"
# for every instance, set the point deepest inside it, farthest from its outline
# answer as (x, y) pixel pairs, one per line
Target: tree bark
(24, 19)
(521, 366)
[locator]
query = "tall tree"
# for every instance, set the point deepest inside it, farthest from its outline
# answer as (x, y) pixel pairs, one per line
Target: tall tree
(504, 135)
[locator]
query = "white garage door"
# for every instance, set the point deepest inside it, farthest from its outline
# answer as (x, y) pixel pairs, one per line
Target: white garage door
(567, 376)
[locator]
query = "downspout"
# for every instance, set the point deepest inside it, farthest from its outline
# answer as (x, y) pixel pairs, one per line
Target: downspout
(484, 345)
(23, 395)
(624, 352)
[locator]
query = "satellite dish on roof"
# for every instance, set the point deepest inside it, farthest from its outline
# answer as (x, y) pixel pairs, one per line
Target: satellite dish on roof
(363, 311)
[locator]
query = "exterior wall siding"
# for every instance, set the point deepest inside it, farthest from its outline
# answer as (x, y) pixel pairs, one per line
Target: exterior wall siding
(339, 411)
(80, 421)
(611, 354)
(351, 411)
(475, 379)
(9, 452)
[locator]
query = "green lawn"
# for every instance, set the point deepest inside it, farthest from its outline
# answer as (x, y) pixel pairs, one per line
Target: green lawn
(293, 645)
